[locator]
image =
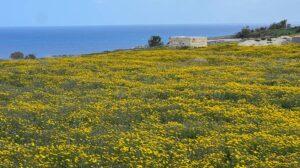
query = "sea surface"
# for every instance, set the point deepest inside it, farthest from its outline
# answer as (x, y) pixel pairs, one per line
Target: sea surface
(54, 41)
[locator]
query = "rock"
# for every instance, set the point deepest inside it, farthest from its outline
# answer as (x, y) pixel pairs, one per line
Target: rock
(272, 41)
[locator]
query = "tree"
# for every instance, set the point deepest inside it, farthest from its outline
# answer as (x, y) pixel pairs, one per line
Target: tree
(281, 25)
(17, 55)
(30, 56)
(244, 33)
(155, 41)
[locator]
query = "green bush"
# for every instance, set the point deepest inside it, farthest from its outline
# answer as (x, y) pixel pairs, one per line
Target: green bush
(281, 25)
(155, 41)
(30, 56)
(17, 55)
(244, 33)
(274, 30)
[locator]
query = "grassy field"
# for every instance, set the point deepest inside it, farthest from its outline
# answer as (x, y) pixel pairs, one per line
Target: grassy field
(221, 106)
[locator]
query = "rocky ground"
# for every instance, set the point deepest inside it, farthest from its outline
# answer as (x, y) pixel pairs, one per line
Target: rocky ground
(268, 41)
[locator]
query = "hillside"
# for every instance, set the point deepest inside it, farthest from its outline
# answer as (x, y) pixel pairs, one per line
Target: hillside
(220, 106)
(282, 28)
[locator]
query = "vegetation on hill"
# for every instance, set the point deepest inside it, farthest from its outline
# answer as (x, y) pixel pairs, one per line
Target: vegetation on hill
(20, 55)
(17, 55)
(274, 30)
(155, 41)
(220, 106)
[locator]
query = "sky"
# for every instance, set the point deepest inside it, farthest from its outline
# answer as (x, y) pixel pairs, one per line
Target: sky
(145, 12)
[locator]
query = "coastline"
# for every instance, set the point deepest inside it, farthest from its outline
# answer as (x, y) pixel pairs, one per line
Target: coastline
(80, 40)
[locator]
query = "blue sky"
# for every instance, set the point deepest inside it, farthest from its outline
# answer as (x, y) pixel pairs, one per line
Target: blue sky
(144, 12)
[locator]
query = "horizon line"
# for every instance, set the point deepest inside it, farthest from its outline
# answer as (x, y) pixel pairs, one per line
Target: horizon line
(167, 24)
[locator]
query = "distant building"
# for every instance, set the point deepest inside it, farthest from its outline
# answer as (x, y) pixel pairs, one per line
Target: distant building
(184, 41)
(296, 39)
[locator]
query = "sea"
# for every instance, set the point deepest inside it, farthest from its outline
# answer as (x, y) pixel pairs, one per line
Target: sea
(57, 41)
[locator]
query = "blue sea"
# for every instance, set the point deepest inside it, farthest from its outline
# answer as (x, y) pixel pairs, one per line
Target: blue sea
(50, 41)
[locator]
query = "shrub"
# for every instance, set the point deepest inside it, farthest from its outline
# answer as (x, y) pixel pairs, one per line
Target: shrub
(17, 55)
(184, 47)
(281, 28)
(281, 25)
(244, 33)
(30, 56)
(155, 41)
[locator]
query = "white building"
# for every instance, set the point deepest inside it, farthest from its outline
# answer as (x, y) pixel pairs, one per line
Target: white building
(185, 41)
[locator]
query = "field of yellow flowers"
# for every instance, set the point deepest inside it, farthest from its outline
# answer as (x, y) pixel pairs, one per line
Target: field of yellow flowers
(220, 106)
